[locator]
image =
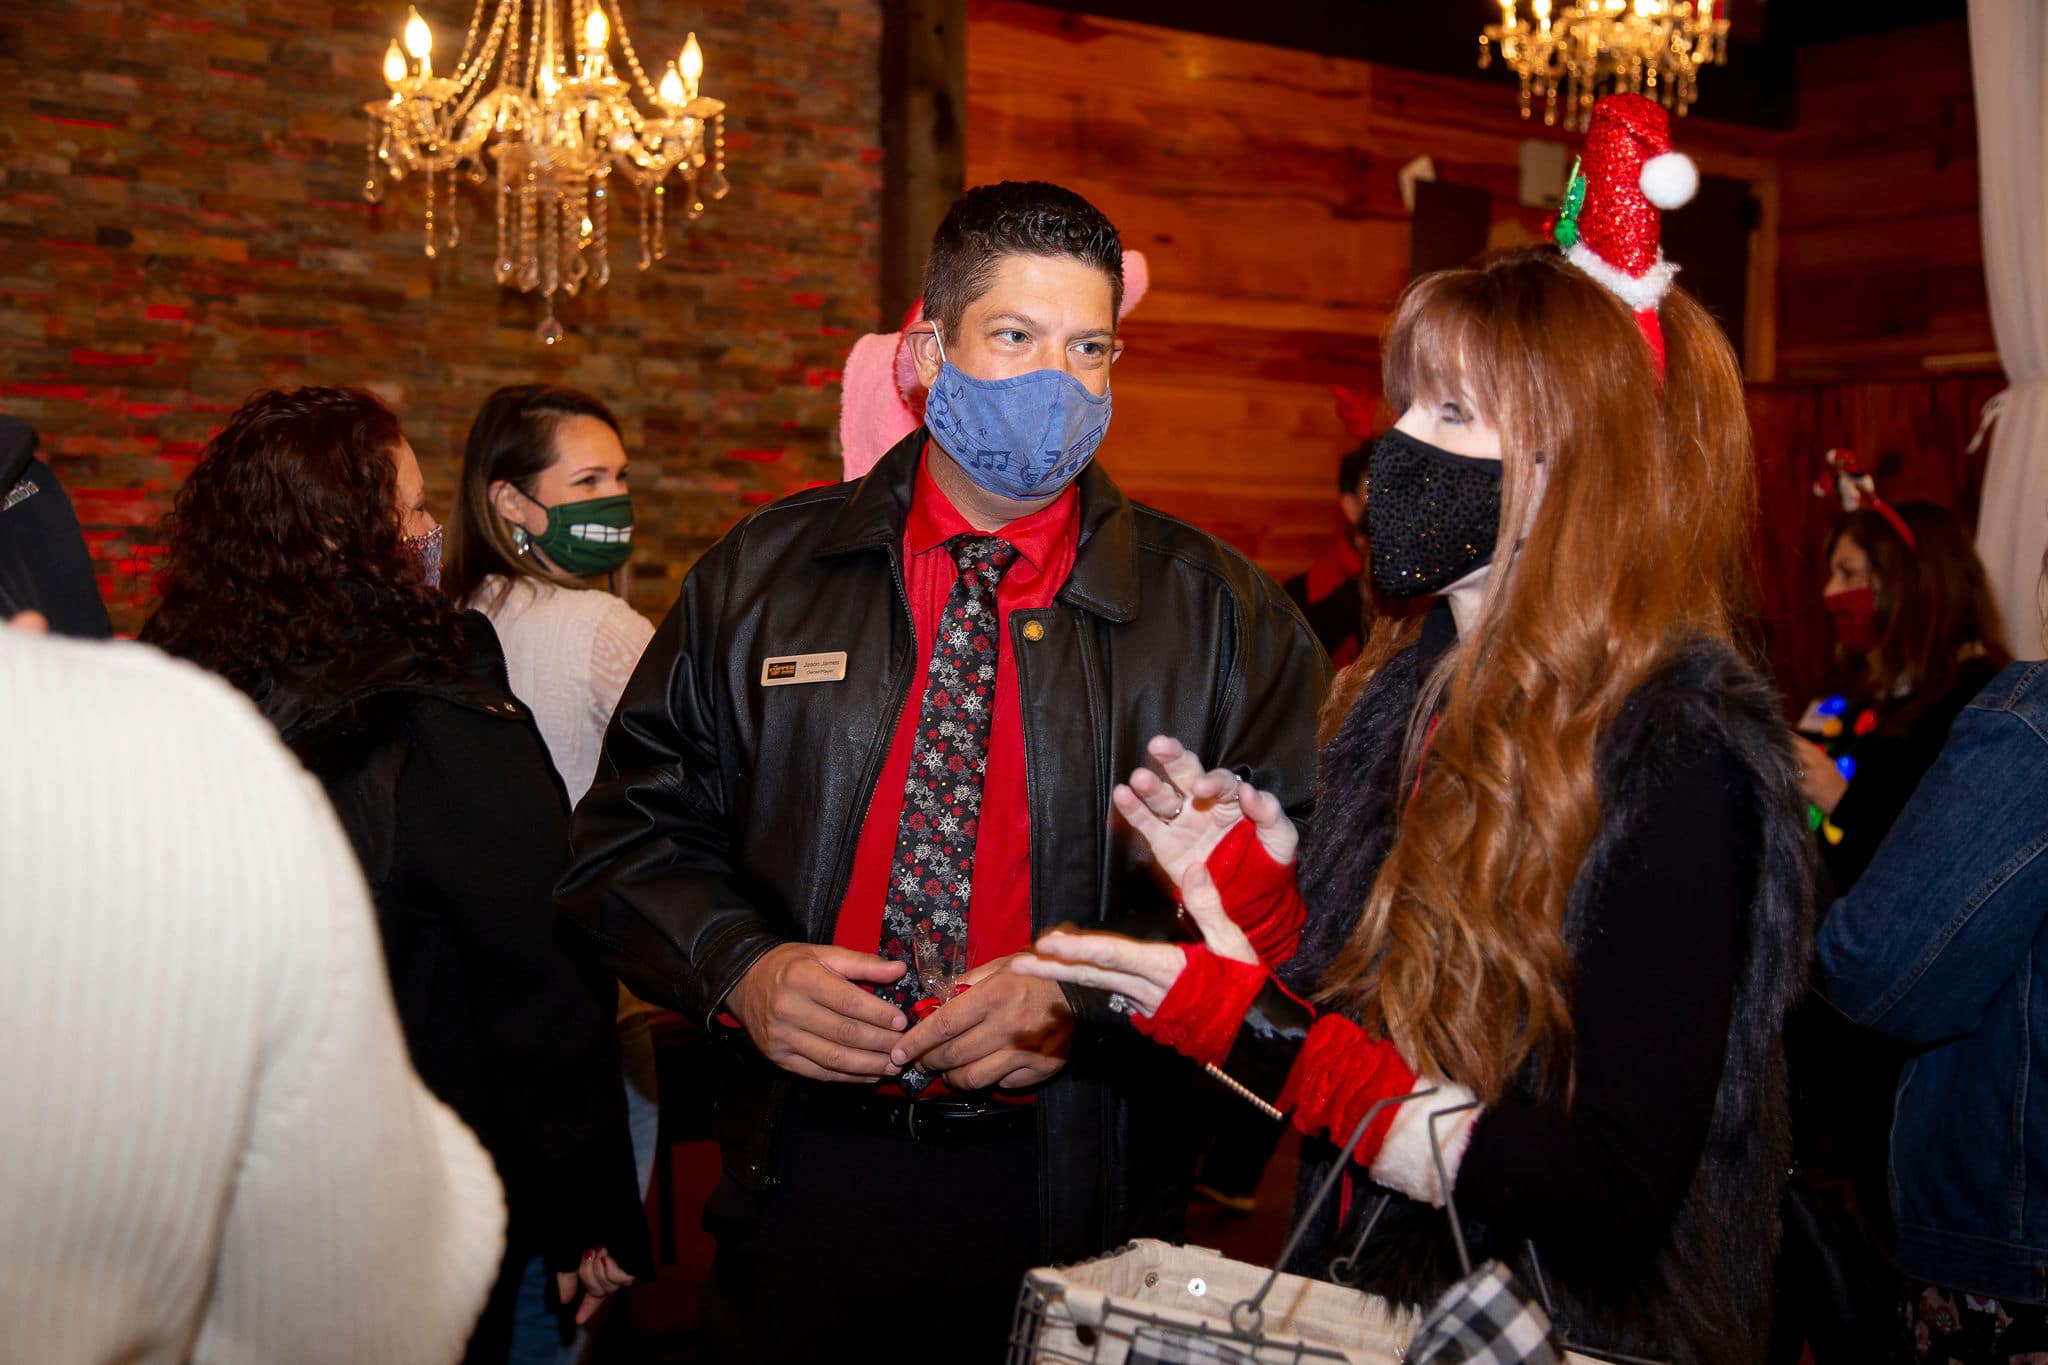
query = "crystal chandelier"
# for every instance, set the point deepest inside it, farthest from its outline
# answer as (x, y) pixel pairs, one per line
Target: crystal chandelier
(537, 89)
(1644, 47)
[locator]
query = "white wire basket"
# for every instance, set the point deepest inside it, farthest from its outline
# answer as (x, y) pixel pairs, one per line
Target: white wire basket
(1152, 1303)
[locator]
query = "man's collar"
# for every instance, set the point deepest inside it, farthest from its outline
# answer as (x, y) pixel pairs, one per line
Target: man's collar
(934, 520)
(1105, 575)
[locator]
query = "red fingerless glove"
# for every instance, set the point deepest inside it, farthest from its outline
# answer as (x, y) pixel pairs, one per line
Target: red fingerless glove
(1205, 1006)
(1341, 1072)
(1258, 893)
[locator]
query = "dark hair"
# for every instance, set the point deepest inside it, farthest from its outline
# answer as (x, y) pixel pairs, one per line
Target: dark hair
(284, 549)
(1014, 218)
(1353, 467)
(1934, 604)
(513, 439)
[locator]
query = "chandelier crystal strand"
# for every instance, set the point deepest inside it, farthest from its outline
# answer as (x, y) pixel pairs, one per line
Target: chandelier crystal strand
(556, 117)
(504, 275)
(1649, 47)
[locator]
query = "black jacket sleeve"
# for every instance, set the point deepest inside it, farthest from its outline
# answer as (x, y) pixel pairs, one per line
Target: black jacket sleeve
(486, 829)
(1604, 1177)
(652, 878)
(44, 565)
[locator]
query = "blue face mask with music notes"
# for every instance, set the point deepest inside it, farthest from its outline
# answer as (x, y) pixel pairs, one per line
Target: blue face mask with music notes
(1025, 437)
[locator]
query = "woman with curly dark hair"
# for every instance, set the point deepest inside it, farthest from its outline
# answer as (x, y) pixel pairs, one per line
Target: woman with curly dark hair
(301, 566)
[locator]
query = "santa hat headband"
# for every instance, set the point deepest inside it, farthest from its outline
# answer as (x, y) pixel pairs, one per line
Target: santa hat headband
(1847, 480)
(1611, 220)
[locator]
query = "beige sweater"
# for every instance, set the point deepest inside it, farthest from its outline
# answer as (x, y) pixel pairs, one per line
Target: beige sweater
(212, 1144)
(569, 653)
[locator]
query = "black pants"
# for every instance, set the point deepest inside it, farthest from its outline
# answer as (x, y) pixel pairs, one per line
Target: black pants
(874, 1246)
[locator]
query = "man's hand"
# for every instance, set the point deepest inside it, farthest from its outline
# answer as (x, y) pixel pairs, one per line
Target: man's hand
(1008, 1031)
(802, 1008)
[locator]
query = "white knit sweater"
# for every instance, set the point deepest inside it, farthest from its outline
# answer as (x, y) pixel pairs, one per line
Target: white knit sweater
(212, 1144)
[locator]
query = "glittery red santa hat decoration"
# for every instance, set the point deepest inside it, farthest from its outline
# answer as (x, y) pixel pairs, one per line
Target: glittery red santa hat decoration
(1610, 224)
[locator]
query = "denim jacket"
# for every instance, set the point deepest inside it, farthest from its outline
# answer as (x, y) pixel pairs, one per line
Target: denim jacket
(1943, 945)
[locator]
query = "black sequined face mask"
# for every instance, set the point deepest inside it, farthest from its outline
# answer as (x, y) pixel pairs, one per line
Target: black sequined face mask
(1432, 516)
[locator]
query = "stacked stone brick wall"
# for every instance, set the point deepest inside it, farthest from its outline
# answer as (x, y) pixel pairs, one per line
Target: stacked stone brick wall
(182, 222)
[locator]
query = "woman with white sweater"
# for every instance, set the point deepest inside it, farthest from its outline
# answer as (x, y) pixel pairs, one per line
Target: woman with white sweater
(542, 516)
(213, 1147)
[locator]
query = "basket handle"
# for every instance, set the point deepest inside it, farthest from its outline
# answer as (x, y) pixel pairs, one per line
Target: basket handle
(1253, 1308)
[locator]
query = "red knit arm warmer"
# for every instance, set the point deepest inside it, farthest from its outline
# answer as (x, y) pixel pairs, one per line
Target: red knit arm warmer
(1258, 893)
(1235, 1018)
(1205, 1006)
(1340, 1073)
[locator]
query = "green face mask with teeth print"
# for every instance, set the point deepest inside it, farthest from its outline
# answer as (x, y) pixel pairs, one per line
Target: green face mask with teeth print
(586, 538)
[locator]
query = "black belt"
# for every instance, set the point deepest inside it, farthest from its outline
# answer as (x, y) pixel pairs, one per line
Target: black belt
(943, 1122)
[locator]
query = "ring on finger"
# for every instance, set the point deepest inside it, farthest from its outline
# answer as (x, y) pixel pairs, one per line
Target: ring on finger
(1178, 808)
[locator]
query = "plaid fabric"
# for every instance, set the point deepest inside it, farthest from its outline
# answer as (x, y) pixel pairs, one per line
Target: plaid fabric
(1166, 1346)
(1487, 1318)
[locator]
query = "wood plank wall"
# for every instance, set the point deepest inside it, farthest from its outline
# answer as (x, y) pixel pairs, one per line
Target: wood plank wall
(1881, 263)
(1261, 184)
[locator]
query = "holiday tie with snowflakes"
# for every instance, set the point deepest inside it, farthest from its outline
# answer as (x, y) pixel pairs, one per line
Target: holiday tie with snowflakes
(931, 881)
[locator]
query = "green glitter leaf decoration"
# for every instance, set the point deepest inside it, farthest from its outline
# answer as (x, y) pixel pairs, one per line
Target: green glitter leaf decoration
(1566, 233)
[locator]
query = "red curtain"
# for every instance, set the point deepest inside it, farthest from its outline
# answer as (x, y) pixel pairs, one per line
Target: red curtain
(1909, 433)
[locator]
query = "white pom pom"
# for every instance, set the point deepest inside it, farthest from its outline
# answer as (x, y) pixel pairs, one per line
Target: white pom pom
(1670, 180)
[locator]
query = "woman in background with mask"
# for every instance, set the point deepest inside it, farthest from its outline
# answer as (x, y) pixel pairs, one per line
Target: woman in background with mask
(1916, 638)
(301, 566)
(543, 515)
(1556, 869)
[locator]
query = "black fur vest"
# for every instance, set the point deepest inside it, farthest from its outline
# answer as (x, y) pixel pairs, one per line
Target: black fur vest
(1707, 1296)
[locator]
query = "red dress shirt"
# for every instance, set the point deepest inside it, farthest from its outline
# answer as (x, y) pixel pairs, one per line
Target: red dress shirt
(999, 912)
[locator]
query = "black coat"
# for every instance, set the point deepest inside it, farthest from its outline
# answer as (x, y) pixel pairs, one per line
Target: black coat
(446, 791)
(725, 814)
(1665, 1249)
(44, 565)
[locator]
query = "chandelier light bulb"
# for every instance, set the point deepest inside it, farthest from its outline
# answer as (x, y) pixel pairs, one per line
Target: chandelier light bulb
(394, 63)
(693, 59)
(671, 86)
(1578, 50)
(419, 39)
(597, 31)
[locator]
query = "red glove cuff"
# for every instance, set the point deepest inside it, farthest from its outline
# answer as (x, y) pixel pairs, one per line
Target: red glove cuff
(1258, 893)
(1205, 1006)
(1343, 1071)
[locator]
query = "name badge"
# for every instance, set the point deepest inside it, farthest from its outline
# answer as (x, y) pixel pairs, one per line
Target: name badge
(803, 668)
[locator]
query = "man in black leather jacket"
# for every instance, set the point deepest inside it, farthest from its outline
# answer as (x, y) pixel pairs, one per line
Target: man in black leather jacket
(779, 705)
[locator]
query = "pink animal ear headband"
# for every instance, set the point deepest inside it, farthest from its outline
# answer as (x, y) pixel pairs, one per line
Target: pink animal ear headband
(880, 398)
(1847, 480)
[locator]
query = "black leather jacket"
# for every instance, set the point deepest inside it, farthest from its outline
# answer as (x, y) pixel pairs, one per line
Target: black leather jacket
(725, 814)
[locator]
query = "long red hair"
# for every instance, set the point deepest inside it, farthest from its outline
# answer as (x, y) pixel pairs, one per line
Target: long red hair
(1643, 495)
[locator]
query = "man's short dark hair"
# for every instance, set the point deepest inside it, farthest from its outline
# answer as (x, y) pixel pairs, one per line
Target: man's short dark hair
(1352, 468)
(1014, 218)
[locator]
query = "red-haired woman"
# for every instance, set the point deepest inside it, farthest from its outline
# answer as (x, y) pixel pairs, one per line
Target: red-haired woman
(1557, 865)
(301, 567)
